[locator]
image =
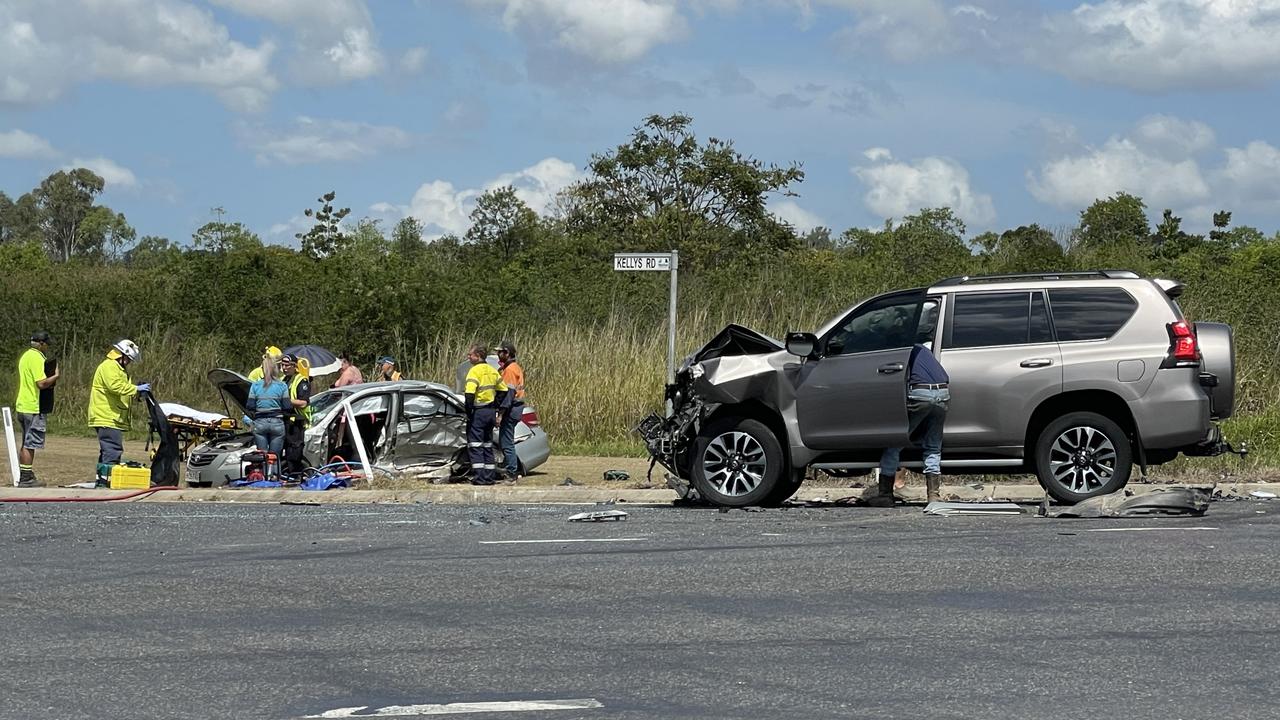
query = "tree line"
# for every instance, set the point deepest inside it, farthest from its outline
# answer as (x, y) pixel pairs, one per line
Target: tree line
(77, 268)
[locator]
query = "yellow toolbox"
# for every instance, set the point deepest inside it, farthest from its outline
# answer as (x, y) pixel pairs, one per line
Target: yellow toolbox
(127, 477)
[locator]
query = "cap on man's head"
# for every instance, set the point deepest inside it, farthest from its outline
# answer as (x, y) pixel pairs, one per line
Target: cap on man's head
(41, 336)
(288, 358)
(386, 360)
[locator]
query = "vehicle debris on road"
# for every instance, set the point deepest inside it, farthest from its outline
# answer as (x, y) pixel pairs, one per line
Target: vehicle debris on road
(599, 516)
(1166, 501)
(947, 509)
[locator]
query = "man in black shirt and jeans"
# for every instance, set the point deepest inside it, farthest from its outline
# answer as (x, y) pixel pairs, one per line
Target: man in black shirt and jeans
(927, 400)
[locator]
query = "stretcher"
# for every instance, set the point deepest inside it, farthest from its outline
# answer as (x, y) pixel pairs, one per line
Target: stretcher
(193, 426)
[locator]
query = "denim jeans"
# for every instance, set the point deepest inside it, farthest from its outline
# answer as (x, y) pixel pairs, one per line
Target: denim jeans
(507, 438)
(268, 434)
(926, 414)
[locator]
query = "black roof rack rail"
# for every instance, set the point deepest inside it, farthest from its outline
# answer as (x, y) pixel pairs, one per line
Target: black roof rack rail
(1014, 277)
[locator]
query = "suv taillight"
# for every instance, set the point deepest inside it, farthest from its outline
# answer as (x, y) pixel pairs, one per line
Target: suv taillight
(531, 417)
(1183, 346)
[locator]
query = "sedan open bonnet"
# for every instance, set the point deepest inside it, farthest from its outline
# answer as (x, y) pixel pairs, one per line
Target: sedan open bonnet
(234, 389)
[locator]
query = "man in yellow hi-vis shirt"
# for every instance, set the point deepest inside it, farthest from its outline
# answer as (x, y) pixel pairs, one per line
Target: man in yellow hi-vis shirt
(31, 417)
(109, 404)
(484, 392)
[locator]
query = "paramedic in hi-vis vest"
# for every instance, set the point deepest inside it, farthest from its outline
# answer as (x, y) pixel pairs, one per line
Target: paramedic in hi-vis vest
(272, 352)
(109, 399)
(297, 422)
(485, 392)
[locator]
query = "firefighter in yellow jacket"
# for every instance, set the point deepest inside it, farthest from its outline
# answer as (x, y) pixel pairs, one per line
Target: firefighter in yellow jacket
(484, 392)
(109, 398)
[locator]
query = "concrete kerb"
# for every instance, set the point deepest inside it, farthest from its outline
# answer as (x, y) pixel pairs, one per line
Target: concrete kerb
(514, 495)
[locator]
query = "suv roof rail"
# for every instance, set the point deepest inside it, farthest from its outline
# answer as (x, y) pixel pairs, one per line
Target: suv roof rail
(1072, 275)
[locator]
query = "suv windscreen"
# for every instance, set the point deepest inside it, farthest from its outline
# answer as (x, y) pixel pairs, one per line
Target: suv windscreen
(884, 324)
(1090, 313)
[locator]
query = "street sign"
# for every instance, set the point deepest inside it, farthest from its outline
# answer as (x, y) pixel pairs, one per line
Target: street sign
(665, 262)
(642, 261)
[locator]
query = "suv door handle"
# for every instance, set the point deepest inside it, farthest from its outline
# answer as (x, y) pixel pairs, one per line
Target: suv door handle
(1036, 363)
(890, 369)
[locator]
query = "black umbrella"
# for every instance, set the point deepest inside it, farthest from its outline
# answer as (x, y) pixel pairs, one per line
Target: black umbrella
(321, 360)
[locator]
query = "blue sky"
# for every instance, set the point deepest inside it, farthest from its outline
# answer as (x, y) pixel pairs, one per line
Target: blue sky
(1009, 111)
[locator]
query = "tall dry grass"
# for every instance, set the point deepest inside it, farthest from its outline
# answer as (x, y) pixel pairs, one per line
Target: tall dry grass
(591, 383)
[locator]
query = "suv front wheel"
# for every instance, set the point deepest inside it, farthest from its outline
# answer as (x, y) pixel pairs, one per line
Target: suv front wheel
(737, 462)
(1081, 455)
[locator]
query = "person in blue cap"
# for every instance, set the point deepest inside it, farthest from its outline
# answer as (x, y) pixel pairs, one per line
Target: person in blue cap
(387, 369)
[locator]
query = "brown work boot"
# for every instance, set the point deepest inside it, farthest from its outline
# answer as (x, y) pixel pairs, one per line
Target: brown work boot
(933, 487)
(884, 495)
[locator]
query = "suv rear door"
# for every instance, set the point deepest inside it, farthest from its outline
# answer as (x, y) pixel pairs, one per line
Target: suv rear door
(999, 351)
(854, 395)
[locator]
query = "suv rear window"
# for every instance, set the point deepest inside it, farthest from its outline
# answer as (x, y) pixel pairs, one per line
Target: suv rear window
(1090, 313)
(990, 319)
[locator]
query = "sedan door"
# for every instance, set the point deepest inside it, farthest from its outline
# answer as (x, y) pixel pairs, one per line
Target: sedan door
(429, 429)
(854, 395)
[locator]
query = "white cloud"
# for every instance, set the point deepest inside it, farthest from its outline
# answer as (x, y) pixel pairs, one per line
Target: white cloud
(414, 60)
(877, 154)
(605, 31)
(48, 47)
(539, 184)
(443, 208)
(905, 29)
(896, 188)
(332, 38)
(287, 230)
(310, 140)
(1154, 162)
(790, 212)
(1158, 45)
(18, 145)
(113, 173)
(1171, 135)
(1250, 175)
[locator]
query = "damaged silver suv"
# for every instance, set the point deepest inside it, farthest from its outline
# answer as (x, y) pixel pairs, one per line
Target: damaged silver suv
(1072, 376)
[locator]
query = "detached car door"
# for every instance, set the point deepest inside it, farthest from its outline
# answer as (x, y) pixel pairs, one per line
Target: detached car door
(854, 395)
(429, 429)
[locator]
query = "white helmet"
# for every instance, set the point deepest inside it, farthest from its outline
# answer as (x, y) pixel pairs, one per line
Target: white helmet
(129, 349)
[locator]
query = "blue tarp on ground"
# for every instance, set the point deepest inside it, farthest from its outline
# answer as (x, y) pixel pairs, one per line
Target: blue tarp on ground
(243, 483)
(325, 481)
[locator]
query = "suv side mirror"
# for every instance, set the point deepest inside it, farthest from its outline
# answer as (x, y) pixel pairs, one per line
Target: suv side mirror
(802, 344)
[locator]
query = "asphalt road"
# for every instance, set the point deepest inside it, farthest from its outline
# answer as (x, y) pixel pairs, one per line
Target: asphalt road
(280, 612)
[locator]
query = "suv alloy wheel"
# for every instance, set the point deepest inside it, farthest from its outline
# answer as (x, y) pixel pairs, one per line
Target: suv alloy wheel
(737, 463)
(1081, 455)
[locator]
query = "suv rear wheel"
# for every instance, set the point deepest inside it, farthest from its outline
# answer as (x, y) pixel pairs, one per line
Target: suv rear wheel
(737, 462)
(1081, 455)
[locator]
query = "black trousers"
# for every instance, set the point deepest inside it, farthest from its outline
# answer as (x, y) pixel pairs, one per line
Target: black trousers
(294, 461)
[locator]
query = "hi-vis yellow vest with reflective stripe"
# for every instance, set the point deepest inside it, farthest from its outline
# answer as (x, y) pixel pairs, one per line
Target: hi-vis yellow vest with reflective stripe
(304, 412)
(484, 382)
